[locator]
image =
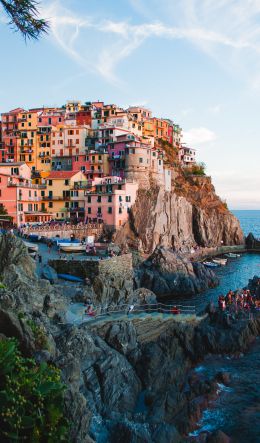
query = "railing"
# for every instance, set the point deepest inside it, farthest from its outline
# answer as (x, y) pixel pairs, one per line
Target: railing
(160, 308)
(58, 227)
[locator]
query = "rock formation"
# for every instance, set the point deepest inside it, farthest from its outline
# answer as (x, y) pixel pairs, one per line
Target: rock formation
(169, 274)
(191, 214)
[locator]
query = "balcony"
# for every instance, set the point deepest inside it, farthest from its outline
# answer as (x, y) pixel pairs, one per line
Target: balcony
(55, 198)
(76, 209)
(34, 199)
(24, 185)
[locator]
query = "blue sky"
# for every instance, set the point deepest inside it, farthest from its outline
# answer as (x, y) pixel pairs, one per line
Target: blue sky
(195, 61)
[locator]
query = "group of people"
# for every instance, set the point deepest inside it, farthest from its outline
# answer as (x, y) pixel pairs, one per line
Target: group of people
(238, 301)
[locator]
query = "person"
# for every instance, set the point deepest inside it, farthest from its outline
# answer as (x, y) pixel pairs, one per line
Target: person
(40, 258)
(49, 247)
(87, 281)
(89, 311)
(175, 310)
(130, 309)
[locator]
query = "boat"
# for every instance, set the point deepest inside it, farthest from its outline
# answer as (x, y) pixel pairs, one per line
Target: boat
(220, 261)
(78, 247)
(231, 255)
(31, 247)
(210, 264)
(71, 278)
(65, 241)
(32, 254)
(34, 237)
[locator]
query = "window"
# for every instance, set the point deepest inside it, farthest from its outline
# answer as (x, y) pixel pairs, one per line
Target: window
(99, 210)
(50, 205)
(120, 210)
(128, 198)
(120, 198)
(67, 204)
(49, 121)
(140, 160)
(29, 124)
(66, 182)
(109, 199)
(50, 182)
(89, 198)
(109, 210)
(40, 119)
(99, 199)
(89, 210)
(77, 141)
(30, 207)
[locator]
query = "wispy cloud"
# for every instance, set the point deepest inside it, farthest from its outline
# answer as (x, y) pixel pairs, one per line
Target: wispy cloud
(229, 25)
(198, 136)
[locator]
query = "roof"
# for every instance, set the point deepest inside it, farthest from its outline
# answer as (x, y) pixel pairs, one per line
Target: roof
(61, 174)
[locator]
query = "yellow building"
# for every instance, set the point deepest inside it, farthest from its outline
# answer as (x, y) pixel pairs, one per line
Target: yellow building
(27, 141)
(64, 195)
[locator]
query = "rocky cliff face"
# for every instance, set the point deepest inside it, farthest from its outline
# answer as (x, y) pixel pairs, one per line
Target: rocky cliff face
(191, 214)
(169, 274)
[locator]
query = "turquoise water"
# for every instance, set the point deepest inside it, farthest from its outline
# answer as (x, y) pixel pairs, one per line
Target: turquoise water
(250, 221)
(236, 411)
(237, 272)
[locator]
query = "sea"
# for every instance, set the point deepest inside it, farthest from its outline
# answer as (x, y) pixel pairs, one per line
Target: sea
(249, 221)
(236, 411)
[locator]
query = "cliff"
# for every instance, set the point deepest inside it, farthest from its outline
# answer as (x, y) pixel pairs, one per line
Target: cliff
(190, 214)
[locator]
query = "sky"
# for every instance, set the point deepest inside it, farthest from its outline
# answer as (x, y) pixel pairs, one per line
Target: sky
(194, 61)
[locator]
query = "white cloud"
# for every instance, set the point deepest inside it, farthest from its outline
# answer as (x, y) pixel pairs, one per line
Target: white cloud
(198, 136)
(221, 29)
(215, 109)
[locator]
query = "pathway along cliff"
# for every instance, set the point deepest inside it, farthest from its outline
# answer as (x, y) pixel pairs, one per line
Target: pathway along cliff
(125, 381)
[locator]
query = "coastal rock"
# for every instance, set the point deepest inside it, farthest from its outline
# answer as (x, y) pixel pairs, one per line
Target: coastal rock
(168, 274)
(190, 214)
(218, 437)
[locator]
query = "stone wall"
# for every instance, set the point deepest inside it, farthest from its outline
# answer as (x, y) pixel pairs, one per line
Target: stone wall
(115, 267)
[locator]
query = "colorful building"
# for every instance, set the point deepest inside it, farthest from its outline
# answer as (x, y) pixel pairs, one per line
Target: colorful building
(64, 195)
(21, 198)
(110, 199)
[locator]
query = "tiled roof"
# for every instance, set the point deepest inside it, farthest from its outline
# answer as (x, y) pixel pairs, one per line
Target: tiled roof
(61, 174)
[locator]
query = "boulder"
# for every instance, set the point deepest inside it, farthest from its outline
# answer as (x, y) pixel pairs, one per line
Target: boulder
(218, 437)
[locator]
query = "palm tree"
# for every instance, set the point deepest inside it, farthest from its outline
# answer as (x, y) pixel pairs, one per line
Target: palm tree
(24, 17)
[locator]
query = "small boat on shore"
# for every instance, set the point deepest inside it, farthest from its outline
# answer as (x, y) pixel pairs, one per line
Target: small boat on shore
(66, 241)
(34, 237)
(71, 278)
(76, 247)
(31, 247)
(231, 255)
(220, 261)
(210, 264)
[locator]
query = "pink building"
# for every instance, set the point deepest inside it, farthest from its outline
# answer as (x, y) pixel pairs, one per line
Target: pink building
(51, 117)
(21, 199)
(110, 199)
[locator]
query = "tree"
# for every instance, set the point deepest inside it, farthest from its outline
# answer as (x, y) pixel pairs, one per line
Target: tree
(24, 17)
(3, 210)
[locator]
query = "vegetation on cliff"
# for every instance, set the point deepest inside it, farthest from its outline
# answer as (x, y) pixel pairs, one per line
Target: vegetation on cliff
(31, 398)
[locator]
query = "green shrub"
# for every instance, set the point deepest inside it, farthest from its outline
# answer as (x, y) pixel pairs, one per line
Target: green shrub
(31, 399)
(41, 340)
